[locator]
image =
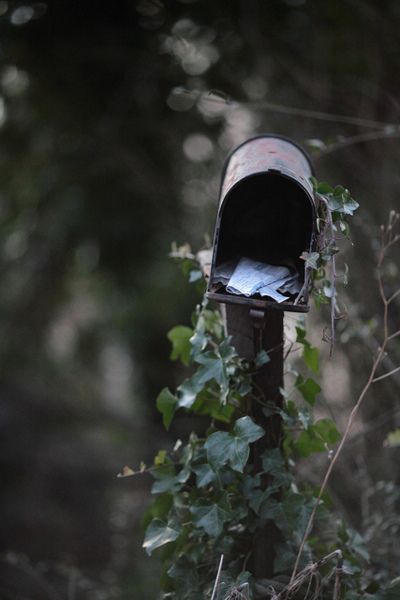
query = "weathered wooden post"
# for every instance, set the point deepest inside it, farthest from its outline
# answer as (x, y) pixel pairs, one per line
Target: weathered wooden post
(266, 213)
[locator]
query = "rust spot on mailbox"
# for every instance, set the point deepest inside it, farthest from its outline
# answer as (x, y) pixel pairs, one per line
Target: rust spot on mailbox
(266, 213)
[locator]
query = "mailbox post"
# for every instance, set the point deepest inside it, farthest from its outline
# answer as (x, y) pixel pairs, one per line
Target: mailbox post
(266, 213)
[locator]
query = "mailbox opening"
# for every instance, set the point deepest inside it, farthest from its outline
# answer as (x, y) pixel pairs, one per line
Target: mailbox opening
(267, 217)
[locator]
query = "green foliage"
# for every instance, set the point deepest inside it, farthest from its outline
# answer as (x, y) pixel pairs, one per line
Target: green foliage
(166, 403)
(180, 336)
(209, 497)
(310, 353)
(334, 206)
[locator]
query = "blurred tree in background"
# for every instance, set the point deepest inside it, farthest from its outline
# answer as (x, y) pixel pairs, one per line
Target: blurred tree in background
(115, 120)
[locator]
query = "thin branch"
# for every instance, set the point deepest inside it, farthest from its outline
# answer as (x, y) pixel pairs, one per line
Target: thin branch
(395, 334)
(385, 375)
(387, 133)
(386, 238)
(307, 573)
(215, 589)
(393, 296)
(288, 351)
(338, 579)
(218, 97)
(321, 116)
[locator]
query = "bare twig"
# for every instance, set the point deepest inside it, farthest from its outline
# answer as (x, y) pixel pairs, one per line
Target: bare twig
(338, 579)
(304, 287)
(307, 573)
(386, 375)
(387, 239)
(393, 296)
(393, 335)
(216, 583)
(389, 132)
(217, 97)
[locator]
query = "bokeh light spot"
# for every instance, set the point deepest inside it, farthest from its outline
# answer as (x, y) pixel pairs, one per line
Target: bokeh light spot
(180, 99)
(22, 15)
(14, 81)
(197, 147)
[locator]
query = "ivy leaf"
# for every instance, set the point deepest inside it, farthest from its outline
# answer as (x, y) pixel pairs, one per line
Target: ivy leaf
(297, 509)
(204, 475)
(166, 404)
(327, 430)
(226, 351)
(195, 275)
(308, 443)
(310, 355)
(161, 506)
(341, 201)
(272, 461)
(198, 342)
(160, 458)
(305, 418)
(329, 290)
(344, 227)
(247, 430)
(209, 404)
(187, 392)
(223, 448)
(245, 387)
(167, 480)
(350, 206)
(258, 498)
(271, 509)
(127, 472)
(301, 335)
(311, 259)
(210, 518)
(159, 533)
(334, 204)
(239, 451)
(212, 368)
(179, 337)
(261, 359)
(308, 389)
(317, 437)
(217, 447)
(274, 464)
(324, 188)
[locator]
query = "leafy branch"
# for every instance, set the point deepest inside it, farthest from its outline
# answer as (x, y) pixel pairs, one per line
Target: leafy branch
(335, 205)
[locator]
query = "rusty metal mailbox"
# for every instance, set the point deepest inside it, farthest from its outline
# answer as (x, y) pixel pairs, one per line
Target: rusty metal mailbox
(266, 216)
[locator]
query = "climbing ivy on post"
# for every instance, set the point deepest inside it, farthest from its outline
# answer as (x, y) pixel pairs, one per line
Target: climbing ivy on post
(209, 502)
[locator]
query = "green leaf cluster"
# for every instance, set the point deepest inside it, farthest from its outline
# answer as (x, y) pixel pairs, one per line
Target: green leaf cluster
(209, 499)
(334, 207)
(221, 379)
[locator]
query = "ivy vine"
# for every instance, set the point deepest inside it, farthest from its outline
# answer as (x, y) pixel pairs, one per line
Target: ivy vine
(208, 499)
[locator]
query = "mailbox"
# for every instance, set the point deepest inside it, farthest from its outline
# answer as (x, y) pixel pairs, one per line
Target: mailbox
(267, 215)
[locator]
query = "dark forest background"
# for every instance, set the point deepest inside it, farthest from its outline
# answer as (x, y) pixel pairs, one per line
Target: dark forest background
(115, 119)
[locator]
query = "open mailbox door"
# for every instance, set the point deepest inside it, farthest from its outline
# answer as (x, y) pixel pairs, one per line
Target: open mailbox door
(266, 219)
